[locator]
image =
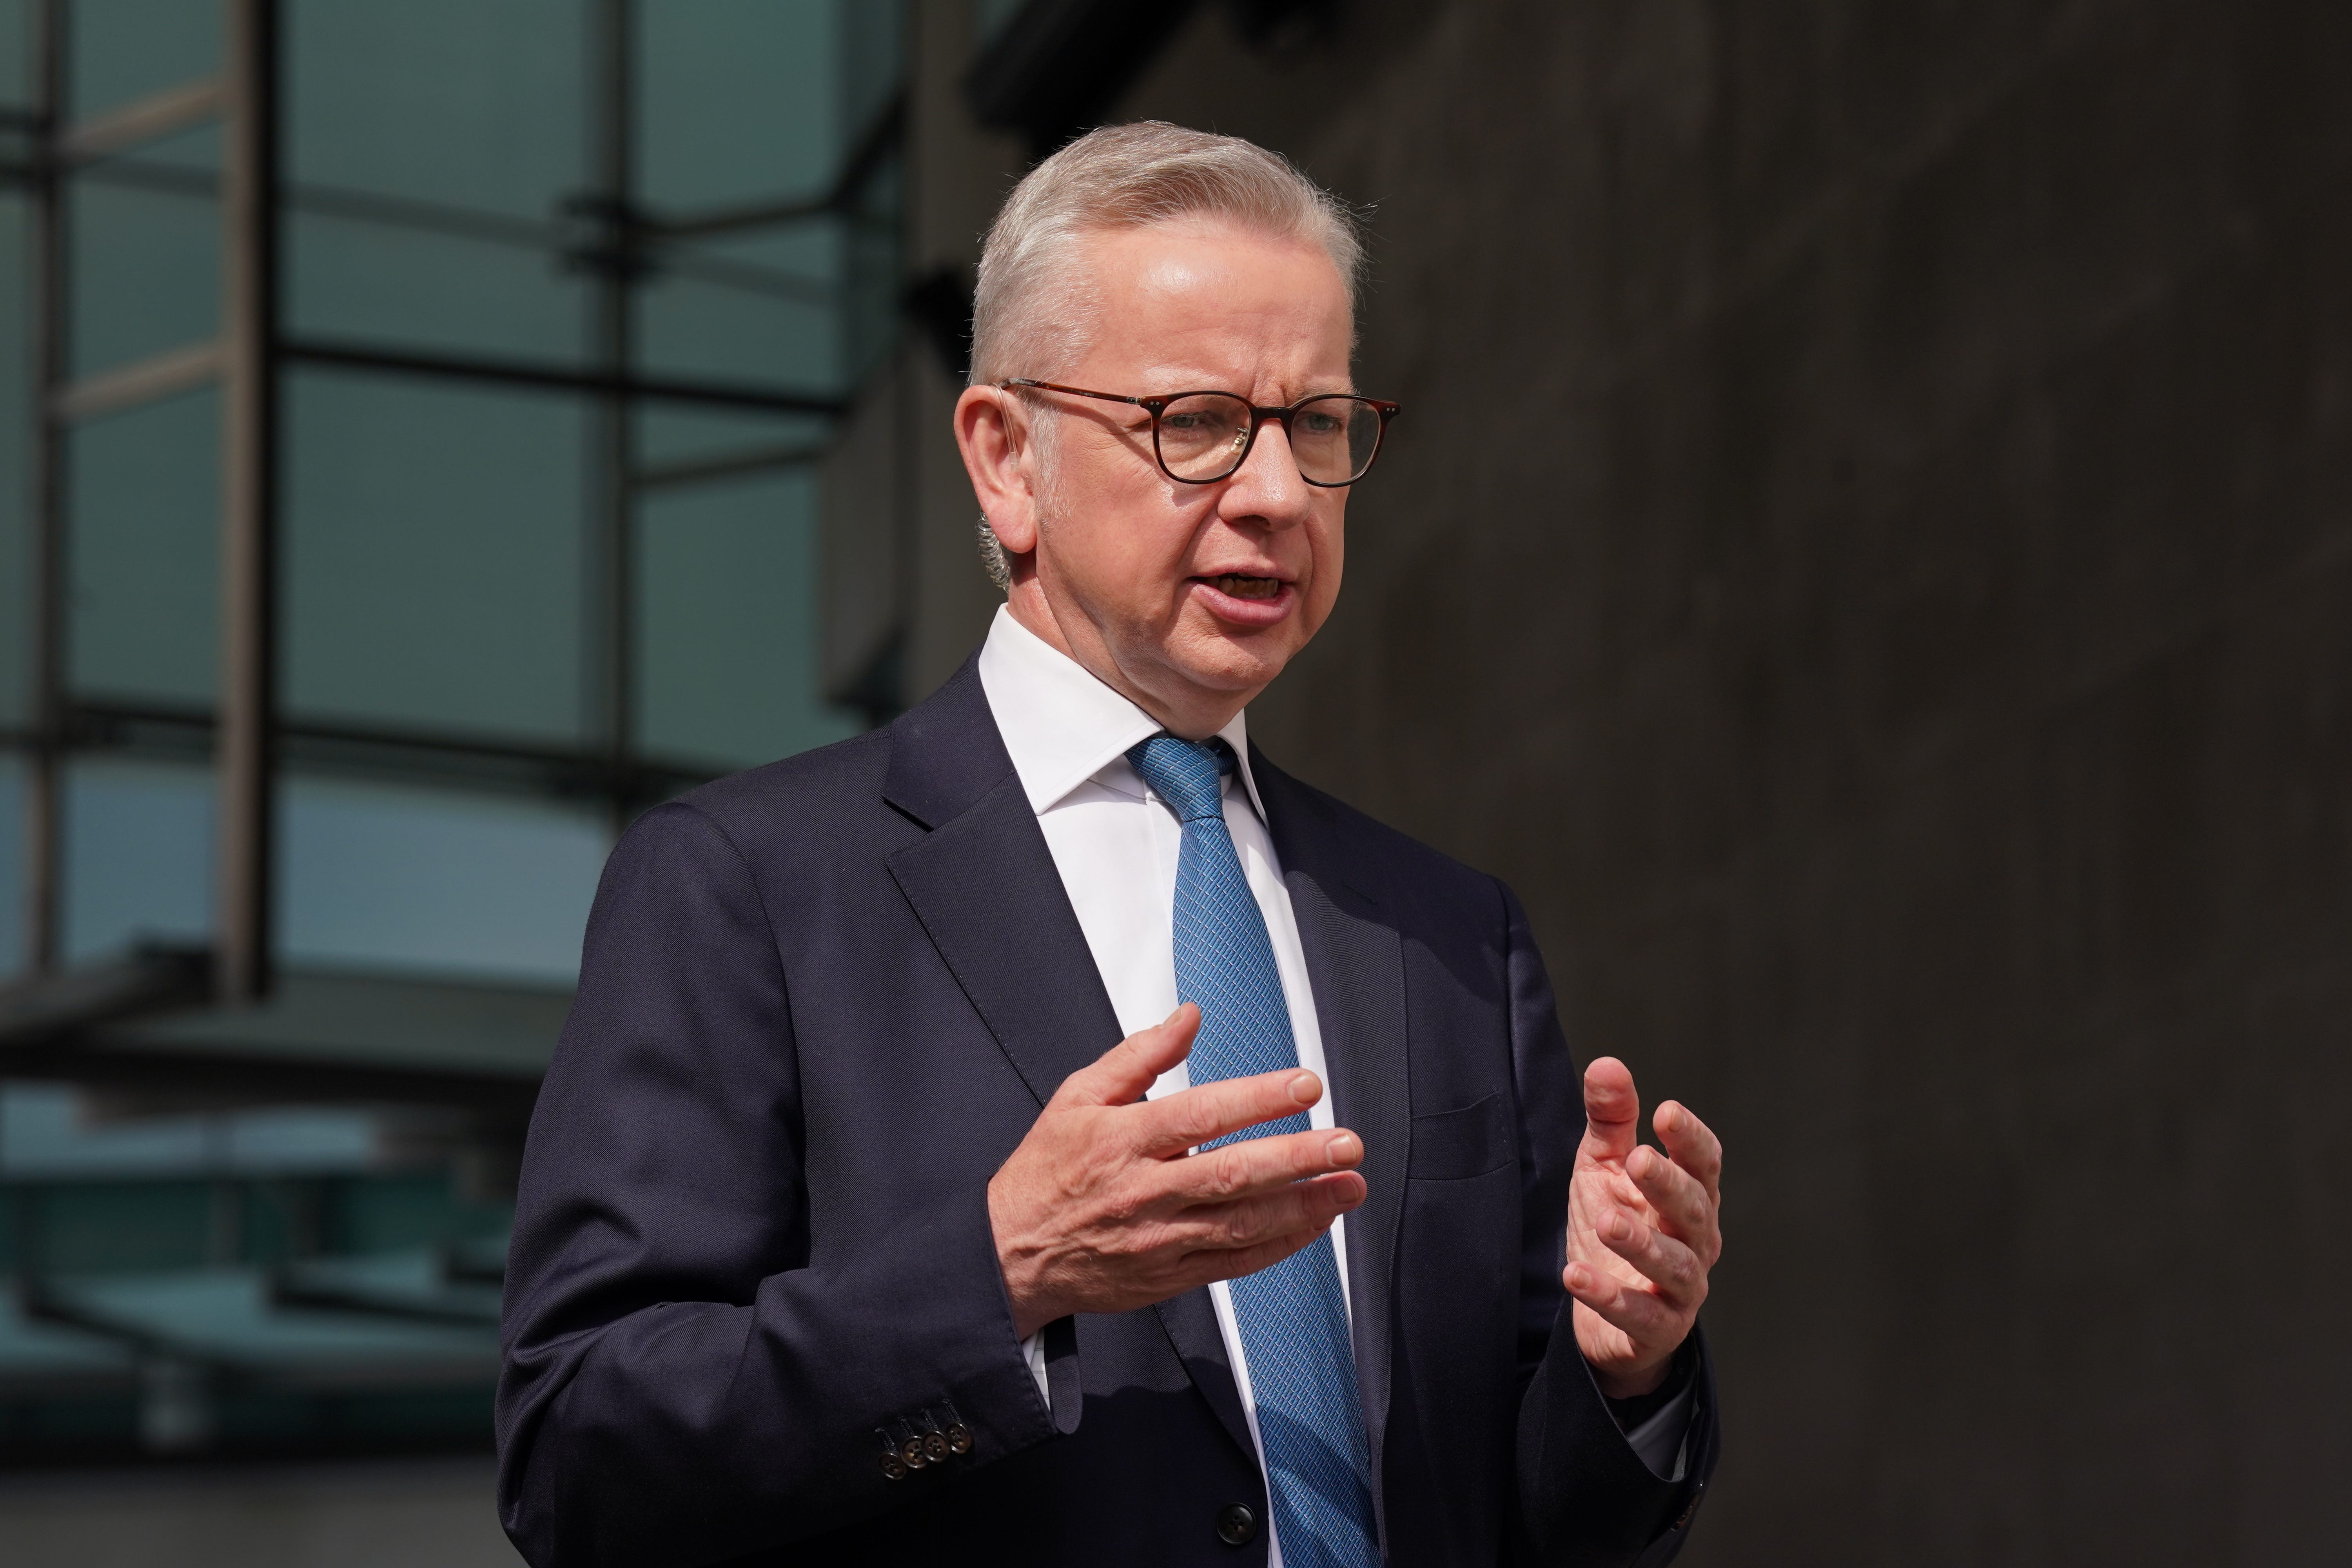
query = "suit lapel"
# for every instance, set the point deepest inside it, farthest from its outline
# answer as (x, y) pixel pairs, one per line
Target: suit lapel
(1355, 960)
(1191, 1321)
(983, 884)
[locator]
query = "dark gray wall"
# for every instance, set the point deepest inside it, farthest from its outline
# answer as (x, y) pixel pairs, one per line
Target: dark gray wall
(1869, 556)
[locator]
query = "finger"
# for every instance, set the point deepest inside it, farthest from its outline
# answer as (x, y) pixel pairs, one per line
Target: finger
(1176, 1122)
(1632, 1309)
(1232, 1263)
(1693, 1144)
(1121, 1074)
(1301, 1205)
(1260, 1165)
(1684, 1207)
(1611, 1109)
(1673, 1268)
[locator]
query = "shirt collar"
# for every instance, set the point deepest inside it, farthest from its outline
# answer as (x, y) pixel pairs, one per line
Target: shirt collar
(1061, 725)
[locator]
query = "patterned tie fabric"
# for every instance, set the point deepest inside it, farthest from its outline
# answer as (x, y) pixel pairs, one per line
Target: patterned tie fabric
(1293, 1319)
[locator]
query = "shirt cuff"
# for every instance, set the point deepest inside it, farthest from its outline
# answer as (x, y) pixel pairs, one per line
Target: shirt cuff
(1659, 1440)
(1033, 1350)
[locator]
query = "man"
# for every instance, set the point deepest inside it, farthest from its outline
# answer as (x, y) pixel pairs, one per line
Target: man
(853, 1231)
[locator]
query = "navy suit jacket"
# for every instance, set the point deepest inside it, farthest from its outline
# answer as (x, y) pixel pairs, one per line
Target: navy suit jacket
(820, 1004)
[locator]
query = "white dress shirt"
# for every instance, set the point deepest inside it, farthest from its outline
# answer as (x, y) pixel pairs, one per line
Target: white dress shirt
(1116, 847)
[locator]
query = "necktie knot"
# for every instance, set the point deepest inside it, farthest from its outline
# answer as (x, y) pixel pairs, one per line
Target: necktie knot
(1187, 774)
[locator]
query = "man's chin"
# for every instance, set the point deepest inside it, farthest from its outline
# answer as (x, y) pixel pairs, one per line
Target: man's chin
(1220, 657)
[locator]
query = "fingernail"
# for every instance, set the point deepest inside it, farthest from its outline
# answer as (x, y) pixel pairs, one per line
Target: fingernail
(1305, 1089)
(1340, 1149)
(1579, 1278)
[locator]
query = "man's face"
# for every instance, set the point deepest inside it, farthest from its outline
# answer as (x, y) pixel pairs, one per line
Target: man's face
(1198, 595)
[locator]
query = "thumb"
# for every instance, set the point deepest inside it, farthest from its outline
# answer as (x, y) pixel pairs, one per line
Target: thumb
(1121, 1074)
(1613, 1111)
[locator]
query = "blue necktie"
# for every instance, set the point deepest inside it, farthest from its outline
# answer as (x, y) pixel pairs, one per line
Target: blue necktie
(1293, 1321)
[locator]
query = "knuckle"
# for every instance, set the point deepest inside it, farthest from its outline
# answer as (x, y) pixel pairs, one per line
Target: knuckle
(1223, 1179)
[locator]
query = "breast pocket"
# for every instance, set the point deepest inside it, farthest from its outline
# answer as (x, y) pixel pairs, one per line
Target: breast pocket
(1449, 1145)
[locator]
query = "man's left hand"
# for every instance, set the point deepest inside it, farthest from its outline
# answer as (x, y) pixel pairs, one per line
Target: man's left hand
(1644, 1228)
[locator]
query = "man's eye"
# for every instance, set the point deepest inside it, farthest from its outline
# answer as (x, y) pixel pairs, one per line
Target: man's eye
(1322, 424)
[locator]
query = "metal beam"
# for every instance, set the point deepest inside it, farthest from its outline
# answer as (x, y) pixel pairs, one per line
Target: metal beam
(248, 564)
(185, 733)
(729, 464)
(60, 1007)
(150, 118)
(608, 617)
(45, 782)
(149, 380)
(880, 139)
(600, 381)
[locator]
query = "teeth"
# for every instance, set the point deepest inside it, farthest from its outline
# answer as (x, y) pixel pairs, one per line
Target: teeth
(1242, 587)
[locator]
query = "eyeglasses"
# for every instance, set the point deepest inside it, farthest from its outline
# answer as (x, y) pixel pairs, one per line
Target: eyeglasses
(1200, 437)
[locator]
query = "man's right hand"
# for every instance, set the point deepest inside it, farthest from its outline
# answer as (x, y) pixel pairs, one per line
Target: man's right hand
(1101, 1209)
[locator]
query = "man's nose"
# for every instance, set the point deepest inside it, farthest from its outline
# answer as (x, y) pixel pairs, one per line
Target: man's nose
(1267, 485)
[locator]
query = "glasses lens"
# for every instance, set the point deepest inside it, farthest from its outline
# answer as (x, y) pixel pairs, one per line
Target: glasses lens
(1334, 439)
(1202, 436)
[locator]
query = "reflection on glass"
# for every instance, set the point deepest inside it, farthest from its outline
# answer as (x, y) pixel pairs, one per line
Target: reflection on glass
(477, 106)
(387, 282)
(432, 539)
(726, 596)
(138, 860)
(741, 102)
(125, 49)
(146, 272)
(15, 455)
(11, 865)
(436, 882)
(15, 52)
(728, 334)
(144, 545)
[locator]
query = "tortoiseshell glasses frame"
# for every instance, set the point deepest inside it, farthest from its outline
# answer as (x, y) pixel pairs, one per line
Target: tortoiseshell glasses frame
(1338, 434)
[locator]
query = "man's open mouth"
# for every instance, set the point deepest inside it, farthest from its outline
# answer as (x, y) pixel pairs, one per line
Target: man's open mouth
(1242, 587)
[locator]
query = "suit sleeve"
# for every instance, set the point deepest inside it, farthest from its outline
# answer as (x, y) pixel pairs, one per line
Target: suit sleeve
(680, 1384)
(1586, 1499)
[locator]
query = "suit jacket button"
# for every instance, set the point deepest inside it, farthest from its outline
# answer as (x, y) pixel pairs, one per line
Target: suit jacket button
(1236, 1524)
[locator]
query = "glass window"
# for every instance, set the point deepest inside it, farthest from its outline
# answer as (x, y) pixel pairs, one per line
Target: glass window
(12, 864)
(15, 52)
(366, 279)
(727, 595)
(15, 475)
(433, 568)
(471, 104)
(143, 549)
(436, 882)
(146, 272)
(138, 860)
(741, 102)
(122, 50)
(464, 563)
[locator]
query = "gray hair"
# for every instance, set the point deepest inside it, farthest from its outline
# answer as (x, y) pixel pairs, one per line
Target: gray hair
(1032, 309)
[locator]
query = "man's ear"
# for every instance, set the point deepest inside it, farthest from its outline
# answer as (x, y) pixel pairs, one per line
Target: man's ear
(993, 432)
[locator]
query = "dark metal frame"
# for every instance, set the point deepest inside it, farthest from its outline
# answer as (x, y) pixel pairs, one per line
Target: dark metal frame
(1157, 405)
(612, 238)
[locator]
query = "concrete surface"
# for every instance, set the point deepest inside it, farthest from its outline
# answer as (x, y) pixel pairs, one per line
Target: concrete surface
(408, 1514)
